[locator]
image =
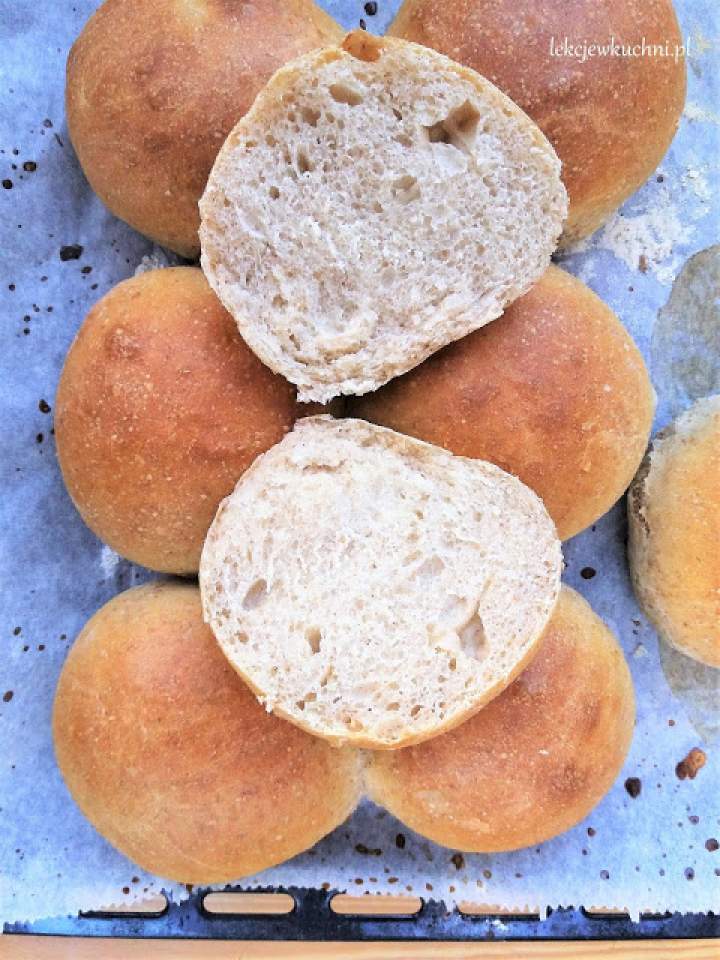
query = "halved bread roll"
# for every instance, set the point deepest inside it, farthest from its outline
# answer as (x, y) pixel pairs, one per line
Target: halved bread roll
(377, 202)
(375, 589)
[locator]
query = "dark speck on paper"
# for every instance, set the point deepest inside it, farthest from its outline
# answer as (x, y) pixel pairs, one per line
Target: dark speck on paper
(71, 251)
(633, 785)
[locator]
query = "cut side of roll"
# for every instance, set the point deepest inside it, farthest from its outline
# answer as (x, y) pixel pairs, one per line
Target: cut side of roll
(377, 202)
(375, 589)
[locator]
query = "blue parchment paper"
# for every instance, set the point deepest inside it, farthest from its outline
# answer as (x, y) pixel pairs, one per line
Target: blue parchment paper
(656, 263)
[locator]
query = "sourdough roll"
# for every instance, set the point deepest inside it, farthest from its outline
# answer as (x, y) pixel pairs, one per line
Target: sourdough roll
(373, 589)
(535, 761)
(555, 391)
(154, 87)
(172, 759)
(609, 115)
(159, 410)
(674, 545)
(377, 202)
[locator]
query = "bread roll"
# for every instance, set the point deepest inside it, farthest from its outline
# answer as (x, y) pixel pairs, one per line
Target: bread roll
(160, 409)
(674, 517)
(172, 759)
(555, 391)
(610, 117)
(377, 202)
(535, 761)
(154, 87)
(373, 589)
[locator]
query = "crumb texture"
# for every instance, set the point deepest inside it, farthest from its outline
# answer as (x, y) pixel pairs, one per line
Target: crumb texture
(376, 589)
(367, 211)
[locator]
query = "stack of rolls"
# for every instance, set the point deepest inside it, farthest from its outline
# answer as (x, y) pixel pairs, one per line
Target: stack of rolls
(379, 610)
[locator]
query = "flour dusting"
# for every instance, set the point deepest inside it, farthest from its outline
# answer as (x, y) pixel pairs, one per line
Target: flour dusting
(109, 561)
(157, 259)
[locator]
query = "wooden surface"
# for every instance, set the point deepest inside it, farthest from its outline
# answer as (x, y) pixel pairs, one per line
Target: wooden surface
(70, 948)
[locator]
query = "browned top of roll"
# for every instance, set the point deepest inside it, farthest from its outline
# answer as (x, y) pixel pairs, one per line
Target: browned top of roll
(674, 518)
(532, 763)
(160, 408)
(610, 118)
(155, 86)
(555, 391)
(172, 758)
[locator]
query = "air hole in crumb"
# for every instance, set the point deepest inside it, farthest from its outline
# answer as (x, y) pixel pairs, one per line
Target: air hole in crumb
(393, 706)
(452, 664)
(465, 119)
(346, 93)
(415, 710)
(458, 129)
(398, 115)
(472, 636)
(304, 163)
(309, 697)
(242, 638)
(352, 723)
(279, 302)
(256, 594)
(313, 636)
(429, 569)
(437, 133)
(310, 116)
(274, 193)
(406, 188)
(270, 140)
(300, 704)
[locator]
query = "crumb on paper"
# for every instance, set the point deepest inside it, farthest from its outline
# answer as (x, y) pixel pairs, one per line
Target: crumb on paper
(689, 766)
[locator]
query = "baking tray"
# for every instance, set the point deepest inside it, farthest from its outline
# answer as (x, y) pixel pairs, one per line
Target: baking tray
(55, 573)
(312, 919)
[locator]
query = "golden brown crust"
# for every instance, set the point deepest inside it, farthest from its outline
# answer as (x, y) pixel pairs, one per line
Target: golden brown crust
(533, 762)
(674, 525)
(555, 392)
(155, 86)
(610, 118)
(171, 757)
(160, 408)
